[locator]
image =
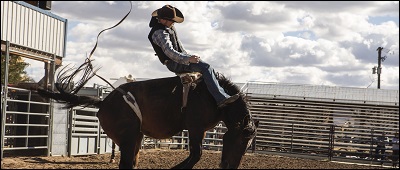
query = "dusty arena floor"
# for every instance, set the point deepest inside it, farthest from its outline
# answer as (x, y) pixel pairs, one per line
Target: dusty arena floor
(165, 159)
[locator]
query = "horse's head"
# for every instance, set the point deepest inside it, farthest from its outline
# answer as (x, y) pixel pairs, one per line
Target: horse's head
(241, 127)
(237, 140)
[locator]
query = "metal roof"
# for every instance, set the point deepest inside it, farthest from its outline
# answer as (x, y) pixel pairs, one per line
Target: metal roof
(322, 92)
(319, 92)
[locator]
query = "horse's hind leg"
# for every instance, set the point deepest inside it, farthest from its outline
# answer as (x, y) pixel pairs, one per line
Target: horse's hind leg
(130, 150)
(112, 160)
(138, 145)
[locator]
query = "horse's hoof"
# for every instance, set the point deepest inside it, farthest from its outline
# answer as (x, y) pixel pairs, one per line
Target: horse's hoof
(112, 161)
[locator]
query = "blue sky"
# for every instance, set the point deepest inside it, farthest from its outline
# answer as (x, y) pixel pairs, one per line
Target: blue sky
(305, 42)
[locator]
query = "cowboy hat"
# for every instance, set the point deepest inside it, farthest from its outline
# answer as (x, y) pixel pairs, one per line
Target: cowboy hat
(169, 12)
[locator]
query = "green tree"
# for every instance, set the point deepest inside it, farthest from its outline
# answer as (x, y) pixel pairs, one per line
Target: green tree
(16, 70)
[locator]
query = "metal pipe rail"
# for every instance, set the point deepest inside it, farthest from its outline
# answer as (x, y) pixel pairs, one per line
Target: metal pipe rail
(23, 127)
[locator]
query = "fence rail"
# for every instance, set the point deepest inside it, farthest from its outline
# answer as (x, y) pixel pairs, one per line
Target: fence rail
(331, 130)
(26, 121)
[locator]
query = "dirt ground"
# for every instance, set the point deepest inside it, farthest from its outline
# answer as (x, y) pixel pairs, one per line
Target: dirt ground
(165, 159)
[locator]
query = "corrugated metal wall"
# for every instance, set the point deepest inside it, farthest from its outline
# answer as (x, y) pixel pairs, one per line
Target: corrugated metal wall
(60, 130)
(29, 26)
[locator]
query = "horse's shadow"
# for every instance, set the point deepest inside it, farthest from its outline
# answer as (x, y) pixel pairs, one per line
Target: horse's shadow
(41, 161)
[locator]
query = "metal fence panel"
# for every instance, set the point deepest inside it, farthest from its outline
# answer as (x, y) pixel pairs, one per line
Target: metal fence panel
(84, 132)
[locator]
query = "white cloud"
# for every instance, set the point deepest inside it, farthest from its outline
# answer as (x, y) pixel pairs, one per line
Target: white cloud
(313, 42)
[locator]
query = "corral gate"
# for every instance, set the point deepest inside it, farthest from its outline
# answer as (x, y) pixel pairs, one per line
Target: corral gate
(29, 32)
(85, 133)
(26, 123)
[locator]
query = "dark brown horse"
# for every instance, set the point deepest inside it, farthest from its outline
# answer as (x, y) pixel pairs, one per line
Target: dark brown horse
(160, 102)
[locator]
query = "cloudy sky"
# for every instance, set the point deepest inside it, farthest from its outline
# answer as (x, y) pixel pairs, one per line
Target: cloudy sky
(304, 42)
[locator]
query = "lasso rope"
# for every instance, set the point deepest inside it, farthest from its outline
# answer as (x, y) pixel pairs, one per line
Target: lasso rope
(64, 79)
(95, 46)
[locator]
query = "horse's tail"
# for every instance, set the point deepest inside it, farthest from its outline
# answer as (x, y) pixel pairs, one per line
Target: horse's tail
(70, 100)
(67, 89)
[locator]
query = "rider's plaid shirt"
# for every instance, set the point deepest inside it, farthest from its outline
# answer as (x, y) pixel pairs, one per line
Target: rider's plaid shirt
(163, 39)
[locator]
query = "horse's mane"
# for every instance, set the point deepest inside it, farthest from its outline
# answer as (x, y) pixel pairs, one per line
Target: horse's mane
(229, 87)
(227, 84)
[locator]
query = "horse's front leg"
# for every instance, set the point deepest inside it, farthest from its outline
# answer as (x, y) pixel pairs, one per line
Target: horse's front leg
(195, 151)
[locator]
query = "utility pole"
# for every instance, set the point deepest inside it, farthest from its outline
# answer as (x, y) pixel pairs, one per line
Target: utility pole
(379, 66)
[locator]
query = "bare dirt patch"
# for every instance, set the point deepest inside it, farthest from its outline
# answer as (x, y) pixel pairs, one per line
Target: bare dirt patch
(165, 159)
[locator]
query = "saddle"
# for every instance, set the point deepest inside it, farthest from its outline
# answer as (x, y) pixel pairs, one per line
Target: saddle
(188, 80)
